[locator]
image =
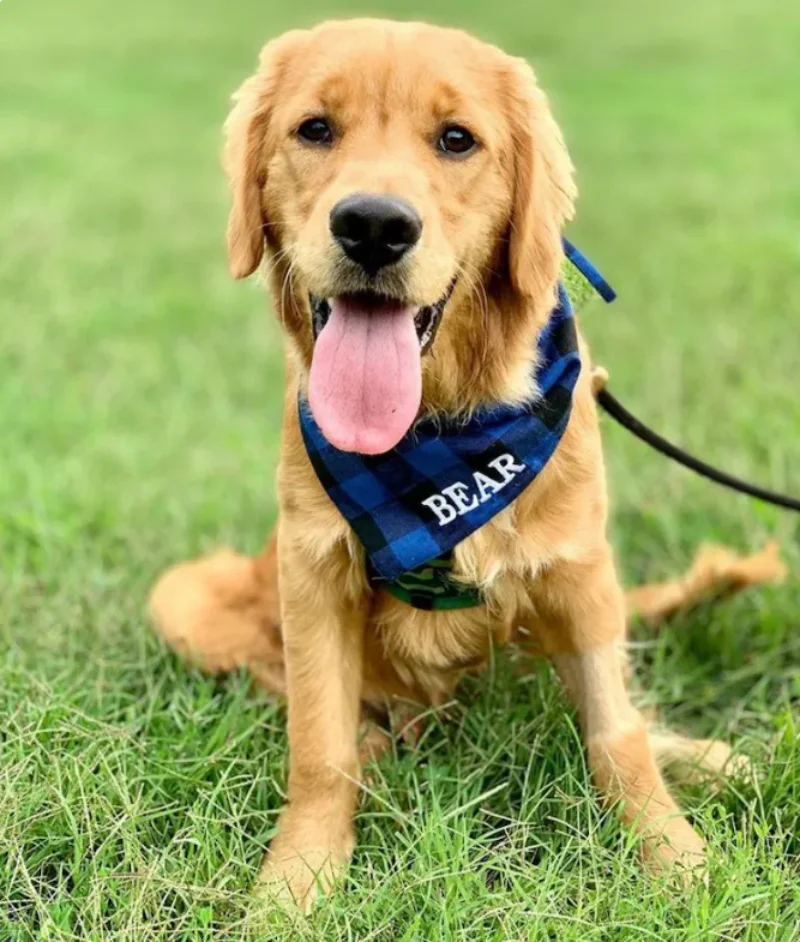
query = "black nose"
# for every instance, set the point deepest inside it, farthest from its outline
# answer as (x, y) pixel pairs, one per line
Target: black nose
(375, 231)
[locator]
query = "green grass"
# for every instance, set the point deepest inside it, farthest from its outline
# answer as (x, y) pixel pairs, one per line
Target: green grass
(140, 409)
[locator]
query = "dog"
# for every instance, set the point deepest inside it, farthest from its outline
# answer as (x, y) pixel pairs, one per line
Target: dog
(408, 187)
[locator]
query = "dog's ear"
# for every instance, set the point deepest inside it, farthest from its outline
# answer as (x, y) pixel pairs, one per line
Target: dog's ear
(544, 189)
(245, 158)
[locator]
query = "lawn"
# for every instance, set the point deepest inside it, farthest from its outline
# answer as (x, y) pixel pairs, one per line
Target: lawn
(139, 395)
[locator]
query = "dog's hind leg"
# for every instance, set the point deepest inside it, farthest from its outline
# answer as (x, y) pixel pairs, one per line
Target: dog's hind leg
(222, 612)
(698, 761)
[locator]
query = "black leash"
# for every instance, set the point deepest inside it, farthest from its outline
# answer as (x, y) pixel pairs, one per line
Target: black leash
(619, 413)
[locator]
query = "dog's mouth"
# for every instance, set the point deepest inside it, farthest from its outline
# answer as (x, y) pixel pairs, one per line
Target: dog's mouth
(365, 383)
(426, 320)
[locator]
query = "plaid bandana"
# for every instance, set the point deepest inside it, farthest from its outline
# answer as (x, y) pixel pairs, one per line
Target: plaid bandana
(444, 480)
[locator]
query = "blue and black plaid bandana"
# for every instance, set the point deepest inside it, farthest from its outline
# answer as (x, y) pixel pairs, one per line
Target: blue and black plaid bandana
(411, 506)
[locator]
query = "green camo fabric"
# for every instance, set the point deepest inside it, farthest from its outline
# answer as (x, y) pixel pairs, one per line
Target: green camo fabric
(431, 587)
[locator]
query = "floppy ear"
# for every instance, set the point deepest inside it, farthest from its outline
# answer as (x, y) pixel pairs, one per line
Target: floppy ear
(245, 159)
(544, 188)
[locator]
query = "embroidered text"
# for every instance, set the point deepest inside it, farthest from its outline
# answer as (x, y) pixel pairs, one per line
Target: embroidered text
(459, 498)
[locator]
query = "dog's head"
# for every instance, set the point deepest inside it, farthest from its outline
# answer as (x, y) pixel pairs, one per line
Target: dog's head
(409, 185)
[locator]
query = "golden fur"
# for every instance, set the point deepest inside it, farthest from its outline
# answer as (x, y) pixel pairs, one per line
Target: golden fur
(302, 615)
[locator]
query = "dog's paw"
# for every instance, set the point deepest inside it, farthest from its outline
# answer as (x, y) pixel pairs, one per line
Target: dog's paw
(707, 762)
(678, 853)
(293, 879)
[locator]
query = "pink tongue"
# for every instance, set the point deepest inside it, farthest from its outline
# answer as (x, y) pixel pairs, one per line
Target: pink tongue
(366, 382)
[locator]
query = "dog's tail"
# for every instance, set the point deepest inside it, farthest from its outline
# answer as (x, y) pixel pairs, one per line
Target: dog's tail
(221, 612)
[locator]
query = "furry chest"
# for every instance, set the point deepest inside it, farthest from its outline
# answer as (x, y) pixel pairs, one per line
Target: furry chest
(418, 641)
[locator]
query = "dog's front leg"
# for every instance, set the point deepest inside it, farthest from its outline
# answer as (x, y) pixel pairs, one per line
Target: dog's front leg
(582, 613)
(323, 647)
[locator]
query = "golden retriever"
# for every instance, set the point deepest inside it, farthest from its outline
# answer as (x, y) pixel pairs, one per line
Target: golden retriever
(387, 169)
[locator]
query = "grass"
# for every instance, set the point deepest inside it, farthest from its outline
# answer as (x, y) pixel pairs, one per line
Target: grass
(140, 407)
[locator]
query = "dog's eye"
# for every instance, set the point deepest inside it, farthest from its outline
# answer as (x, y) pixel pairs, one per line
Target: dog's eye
(456, 140)
(315, 131)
